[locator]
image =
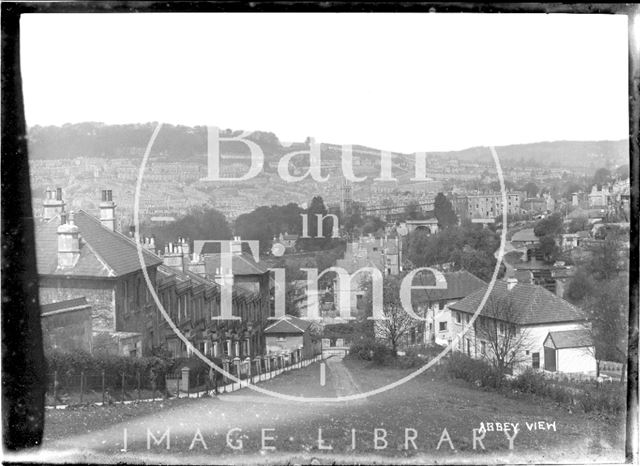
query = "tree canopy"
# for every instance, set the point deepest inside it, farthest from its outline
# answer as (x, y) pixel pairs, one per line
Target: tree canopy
(444, 211)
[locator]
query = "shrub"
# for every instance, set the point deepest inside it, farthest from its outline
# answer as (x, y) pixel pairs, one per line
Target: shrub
(476, 371)
(371, 350)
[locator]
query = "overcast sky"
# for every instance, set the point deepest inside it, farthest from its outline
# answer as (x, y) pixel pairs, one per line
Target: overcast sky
(405, 82)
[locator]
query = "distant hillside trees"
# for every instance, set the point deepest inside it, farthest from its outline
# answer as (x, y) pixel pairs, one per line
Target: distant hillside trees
(467, 247)
(202, 223)
(265, 223)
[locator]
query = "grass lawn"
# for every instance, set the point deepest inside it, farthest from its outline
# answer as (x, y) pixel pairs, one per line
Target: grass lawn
(428, 404)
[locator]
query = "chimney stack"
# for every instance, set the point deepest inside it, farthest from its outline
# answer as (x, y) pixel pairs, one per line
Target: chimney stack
(68, 243)
(236, 245)
(108, 210)
(53, 204)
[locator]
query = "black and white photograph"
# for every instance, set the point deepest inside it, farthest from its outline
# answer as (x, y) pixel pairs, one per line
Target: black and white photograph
(272, 235)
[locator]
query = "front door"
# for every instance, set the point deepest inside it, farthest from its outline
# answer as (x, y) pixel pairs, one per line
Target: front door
(550, 359)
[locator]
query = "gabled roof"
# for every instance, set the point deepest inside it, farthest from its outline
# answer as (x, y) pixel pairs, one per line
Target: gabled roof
(459, 285)
(570, 339)
(103, 253)
(532, 305)
(242, 264)
(288, 324)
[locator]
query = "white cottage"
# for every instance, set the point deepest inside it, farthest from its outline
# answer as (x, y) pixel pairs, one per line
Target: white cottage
(570, 351)
(516, 320)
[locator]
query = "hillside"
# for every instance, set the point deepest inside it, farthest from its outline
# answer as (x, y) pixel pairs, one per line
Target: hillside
(177, 143)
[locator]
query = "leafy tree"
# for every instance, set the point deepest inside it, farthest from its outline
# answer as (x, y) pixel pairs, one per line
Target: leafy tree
(608, 309)
(200, 223)
(444, 211)
(313, 243)
(623, 171)
(508, 186)
(579, 287)
(549, 226)
(578, 224)
(531, 189)
(570, 189)
(265, 223)
(602, 176)
(412, 211)
(549, 249)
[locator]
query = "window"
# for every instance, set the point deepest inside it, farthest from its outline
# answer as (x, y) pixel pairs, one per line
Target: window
(443, 326)
(467, 318)
(227, 348)
(458, 317)
(483, 348)
(282, 338)
(501, 328)
(468, 346)
(535, 360)
(237, 349)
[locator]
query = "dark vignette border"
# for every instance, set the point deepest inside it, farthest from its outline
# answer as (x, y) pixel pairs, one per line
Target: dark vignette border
(23, 378)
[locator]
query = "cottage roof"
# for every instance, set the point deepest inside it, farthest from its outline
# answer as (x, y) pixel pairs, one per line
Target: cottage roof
(531, 304)
(103, 252)
(578, 338)
(526, 235)
(288, 324)
(459, 285)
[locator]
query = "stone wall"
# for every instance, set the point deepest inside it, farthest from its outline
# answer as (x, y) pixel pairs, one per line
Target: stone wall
(98, 292)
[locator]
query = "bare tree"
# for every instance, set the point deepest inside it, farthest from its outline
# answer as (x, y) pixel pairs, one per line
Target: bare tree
(506, 341)
(397, 323)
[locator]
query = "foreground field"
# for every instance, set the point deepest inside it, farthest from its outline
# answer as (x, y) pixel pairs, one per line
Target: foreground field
(409, 422)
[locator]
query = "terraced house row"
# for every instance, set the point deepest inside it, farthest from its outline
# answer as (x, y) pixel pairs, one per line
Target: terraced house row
(82, 257)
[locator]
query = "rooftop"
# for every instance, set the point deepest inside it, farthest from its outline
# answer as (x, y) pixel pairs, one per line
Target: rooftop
(459, 285)
(526, 235)
(532, 304)
(571, 338)
(103, 252)
(288, 324)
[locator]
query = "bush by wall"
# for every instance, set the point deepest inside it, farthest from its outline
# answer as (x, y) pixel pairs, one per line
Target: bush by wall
(608, 398)
(371, 350)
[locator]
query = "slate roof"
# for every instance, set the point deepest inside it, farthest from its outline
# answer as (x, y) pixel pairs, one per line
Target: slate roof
(103, 253)
(288, 324)
(242, 264)
(69, 304)
(532, 304)
(524, 235)
(571, 338)
(459, 285)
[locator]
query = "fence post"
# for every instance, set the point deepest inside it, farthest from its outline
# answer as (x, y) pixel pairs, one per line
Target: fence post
(81, 386)
(138, 380)
(102, 387)
(123, 375)
(185, 379)
(55, 387)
